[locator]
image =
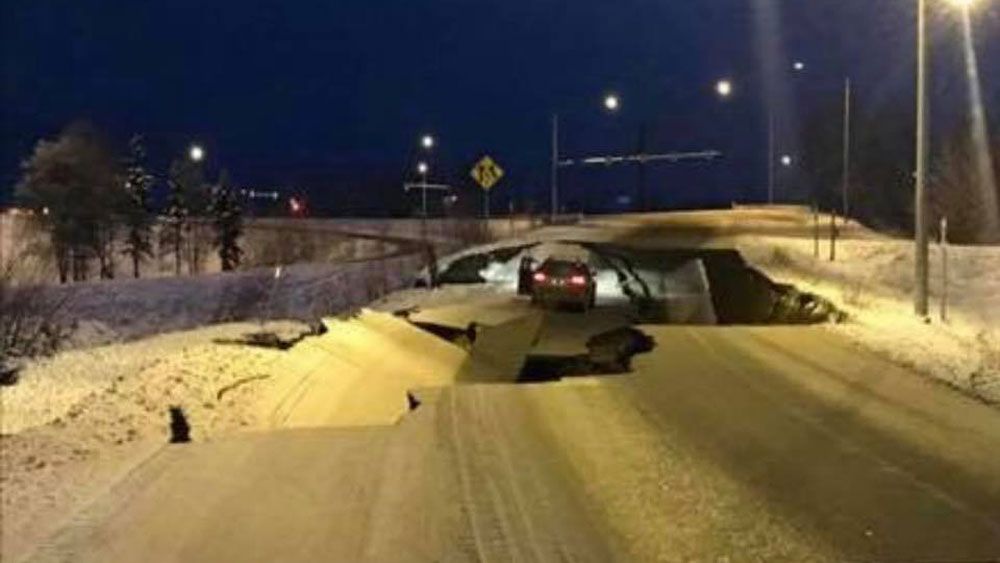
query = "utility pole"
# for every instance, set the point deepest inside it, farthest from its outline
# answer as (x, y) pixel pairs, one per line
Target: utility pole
(555, 167)
(845, 189)
(944, 269)
(770, 153)
(423, 195)
(920, 189)
(642, 202)
(846, 173)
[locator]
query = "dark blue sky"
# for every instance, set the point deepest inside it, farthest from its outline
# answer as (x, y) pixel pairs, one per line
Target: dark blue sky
(332, 96)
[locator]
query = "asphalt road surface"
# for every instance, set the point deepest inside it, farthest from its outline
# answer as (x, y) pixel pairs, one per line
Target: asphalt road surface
(739, 443)
(722, 444)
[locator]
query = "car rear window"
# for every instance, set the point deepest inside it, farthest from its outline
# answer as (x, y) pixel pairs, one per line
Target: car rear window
(562, 269)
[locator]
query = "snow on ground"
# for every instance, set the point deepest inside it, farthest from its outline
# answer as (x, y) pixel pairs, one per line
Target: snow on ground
(872, 280)
(76, 422)
(103, 312)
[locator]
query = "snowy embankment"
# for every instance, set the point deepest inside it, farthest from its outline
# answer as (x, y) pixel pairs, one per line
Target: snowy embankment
(73, 423)
(126, 309)
(873, 281)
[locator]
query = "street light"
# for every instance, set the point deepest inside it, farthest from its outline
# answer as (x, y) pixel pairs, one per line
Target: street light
(921, 236)
(724, 88)
(798, 66)
(427, 141)
(611, 102)
(786, 160)
(423, 169)
(196, 153)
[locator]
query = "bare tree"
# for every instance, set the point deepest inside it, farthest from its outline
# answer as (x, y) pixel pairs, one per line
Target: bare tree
(31, 317)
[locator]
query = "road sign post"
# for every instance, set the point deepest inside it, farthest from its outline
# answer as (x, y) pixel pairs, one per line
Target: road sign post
(944, 269)
(487, 173)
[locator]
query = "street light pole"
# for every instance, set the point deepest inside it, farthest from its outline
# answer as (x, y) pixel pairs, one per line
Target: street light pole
(555, 167)
(920, 189)
(845, 202)
(423, 195)
(771, 156)
(642, 199)
(423, 169)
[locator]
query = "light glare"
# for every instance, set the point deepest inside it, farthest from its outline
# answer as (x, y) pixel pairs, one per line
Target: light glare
(611, 102)
(197, 153)
(724, 88)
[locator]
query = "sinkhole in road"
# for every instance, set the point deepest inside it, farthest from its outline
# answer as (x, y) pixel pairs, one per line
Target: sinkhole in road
(608, 353)
(664, 286)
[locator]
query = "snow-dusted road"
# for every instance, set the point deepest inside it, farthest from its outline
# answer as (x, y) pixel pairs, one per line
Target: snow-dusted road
(724, 443)
(768, 444)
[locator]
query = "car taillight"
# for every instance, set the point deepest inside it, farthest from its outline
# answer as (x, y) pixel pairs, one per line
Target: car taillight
(539, 277)
(578, 280)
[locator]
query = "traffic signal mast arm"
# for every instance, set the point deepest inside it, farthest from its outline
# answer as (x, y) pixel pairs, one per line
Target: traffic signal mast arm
(640, 158)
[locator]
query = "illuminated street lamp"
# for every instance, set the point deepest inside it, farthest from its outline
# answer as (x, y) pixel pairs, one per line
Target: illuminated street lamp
(427, 141)
(921, 236)
(423, 169)
(724, 88)
(786, 160)
(196, 153)
(798, 66)
(611, 102)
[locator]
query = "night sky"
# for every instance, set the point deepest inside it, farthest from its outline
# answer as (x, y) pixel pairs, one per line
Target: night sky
(331, 97)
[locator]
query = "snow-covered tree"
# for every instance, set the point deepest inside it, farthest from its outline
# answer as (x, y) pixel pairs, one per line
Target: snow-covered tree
(227, 220)
(138, 214)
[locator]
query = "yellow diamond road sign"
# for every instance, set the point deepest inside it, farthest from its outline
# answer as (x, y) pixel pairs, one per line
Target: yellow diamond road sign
(487, 173)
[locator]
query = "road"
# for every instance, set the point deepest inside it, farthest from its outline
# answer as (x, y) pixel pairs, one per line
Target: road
(722, 444)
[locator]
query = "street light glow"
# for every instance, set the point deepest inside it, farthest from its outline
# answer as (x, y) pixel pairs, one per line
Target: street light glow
(197, 153)
(724, 88)
(427, 142)
(966, 4)
(611, 102)
(799, 66)
(786, 160)
(422, 168)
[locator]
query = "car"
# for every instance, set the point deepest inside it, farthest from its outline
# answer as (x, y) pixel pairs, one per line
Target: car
(564, 282)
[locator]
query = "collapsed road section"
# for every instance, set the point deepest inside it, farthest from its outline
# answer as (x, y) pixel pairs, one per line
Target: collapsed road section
(664, 286)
